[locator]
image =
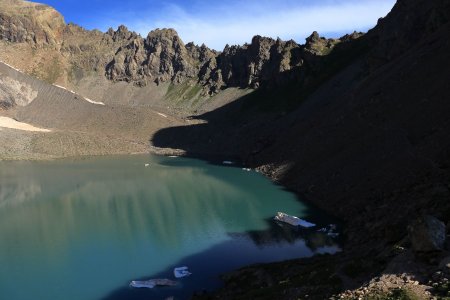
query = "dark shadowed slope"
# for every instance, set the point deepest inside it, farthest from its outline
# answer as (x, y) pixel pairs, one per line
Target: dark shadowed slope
(369, 145)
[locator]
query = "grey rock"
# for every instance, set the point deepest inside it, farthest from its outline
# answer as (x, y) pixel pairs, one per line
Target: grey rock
(427, 234)
(444, 265)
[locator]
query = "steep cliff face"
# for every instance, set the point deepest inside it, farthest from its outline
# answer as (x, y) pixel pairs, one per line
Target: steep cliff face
(29, 22)
(408, 23)
(257, 63)
(162, 57)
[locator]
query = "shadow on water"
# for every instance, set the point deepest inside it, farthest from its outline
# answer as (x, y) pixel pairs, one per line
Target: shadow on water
(254, 247)
(281, 233)
(310, 211)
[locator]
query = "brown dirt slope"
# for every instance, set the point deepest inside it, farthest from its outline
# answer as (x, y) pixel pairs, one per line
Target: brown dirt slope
(78, 126)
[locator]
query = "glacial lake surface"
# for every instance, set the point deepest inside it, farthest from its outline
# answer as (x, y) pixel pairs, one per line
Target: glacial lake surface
(82, 229)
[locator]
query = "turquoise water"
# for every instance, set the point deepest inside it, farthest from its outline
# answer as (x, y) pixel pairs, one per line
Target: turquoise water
(83, 229)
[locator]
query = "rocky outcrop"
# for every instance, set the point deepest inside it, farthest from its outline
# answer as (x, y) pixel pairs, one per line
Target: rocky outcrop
(427, 234)
(128, 59)
(264, 62)
(254, 64)
(168, 58)
(29, 22)
(161, 57)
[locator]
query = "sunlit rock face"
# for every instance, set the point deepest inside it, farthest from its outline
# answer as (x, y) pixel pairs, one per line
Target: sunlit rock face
(124, 56)
(13, 92)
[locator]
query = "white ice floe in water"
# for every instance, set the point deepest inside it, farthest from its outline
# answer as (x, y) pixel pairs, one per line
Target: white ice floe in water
(10, 123)
(142, 284)
(152, 283)
(293, 220)
(162, 115)
(181, 272)
(246, 169)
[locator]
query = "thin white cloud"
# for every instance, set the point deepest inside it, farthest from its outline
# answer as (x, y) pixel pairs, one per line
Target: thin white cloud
(237, 23)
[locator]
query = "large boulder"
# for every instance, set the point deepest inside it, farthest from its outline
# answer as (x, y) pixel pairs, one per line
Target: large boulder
(444, 265)
(427, 234)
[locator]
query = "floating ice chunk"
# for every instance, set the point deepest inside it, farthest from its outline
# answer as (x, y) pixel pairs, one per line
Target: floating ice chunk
(293, 220)
(149, 284)
(142, 284)
(181, 272)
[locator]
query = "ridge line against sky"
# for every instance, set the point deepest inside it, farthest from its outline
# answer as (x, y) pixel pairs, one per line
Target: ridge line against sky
(215, 23)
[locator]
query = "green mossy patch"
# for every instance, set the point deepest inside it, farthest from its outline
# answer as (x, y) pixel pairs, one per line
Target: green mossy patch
(184, 94)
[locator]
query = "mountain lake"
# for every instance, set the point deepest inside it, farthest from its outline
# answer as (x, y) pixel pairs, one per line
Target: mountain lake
(84, 228)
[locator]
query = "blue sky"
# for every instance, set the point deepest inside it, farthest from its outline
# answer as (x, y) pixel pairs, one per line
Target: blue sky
(217, 23)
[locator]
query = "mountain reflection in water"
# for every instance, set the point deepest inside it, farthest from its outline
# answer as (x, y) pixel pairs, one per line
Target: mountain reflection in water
(102, 222)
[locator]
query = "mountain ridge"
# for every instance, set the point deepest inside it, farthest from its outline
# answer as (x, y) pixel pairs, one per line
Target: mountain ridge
(123, 55)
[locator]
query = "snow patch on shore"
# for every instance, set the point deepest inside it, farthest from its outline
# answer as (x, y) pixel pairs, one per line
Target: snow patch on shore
(93, 102)
(10, 123)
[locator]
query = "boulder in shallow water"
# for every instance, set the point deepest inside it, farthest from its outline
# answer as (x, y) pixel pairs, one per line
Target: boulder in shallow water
(427, 234)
